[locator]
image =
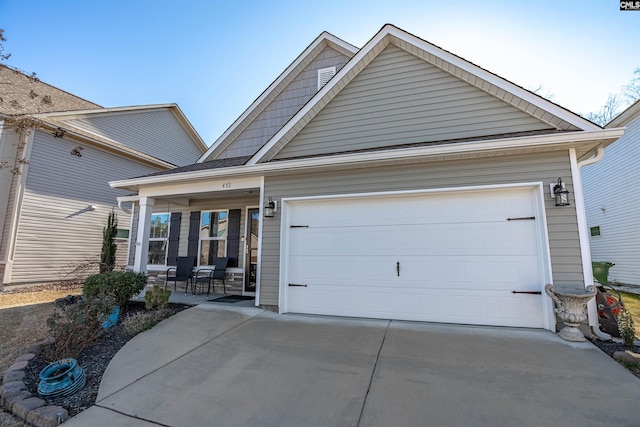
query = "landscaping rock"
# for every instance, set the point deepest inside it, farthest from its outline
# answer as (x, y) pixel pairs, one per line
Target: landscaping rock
(13, 397)
(38, 347)
(26, 356)
(21, 408)
(10, 376)
(47, 416)
(627, 356)
(18, 366)
(11, 387)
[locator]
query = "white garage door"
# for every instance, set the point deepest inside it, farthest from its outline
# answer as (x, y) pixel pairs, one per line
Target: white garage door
(441, 257)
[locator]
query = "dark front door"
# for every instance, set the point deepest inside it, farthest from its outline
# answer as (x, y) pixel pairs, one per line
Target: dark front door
(251, 258)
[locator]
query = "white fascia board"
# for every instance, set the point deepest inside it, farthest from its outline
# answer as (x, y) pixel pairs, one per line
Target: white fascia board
(626, 117)
(322, 37)
(489, 77)
(319, 95)
(94, 111)
(446, 56)
(577, 138)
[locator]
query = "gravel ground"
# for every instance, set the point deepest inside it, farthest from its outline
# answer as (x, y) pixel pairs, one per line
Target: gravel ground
(93, 359)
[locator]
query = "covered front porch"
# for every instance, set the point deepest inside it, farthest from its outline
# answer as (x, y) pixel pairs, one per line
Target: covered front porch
(206, 220)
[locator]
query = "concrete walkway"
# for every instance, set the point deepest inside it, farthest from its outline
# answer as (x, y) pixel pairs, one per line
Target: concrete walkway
(219, 365)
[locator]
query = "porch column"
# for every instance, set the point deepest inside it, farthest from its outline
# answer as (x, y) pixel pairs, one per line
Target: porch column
(142, 240)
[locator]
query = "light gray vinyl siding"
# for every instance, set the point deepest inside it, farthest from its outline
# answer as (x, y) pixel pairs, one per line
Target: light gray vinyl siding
(543, 167)
(133, 234)
(284, 106)
(57, 231)
(612, 202)
(401, 99)
(157, 133)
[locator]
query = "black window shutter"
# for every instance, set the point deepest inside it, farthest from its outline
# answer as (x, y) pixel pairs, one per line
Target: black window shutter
(174, 235)
(194, 235)
(233, 237)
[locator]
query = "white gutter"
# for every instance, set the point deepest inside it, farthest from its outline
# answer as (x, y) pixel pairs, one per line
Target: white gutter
(384, 155)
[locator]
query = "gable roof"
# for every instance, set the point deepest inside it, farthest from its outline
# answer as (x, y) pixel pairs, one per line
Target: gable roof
(67, 117)
(626, 117)
(321, 42)
(532, 104)
(23, 94)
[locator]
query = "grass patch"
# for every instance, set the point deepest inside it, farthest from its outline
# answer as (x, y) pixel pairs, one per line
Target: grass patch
(632, 303)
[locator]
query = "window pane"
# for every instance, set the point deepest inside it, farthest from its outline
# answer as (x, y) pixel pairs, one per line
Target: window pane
(157, 252)
(159, 226)
(213, 224)
(210, 249)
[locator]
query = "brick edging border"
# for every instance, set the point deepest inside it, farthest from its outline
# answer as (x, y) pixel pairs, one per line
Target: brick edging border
(15, 398)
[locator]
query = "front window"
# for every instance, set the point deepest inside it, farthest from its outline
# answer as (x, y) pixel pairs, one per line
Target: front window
(213, 236)
(158, 239)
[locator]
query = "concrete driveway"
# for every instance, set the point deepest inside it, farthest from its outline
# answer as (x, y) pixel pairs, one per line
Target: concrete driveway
(233, 366)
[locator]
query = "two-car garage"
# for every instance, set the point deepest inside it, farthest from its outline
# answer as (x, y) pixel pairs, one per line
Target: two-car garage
(471, 256)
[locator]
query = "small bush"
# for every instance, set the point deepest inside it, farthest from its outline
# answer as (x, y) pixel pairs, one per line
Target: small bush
(141, 321)
(156, 298)
(76, 325)
(120, 285)
(626, 327)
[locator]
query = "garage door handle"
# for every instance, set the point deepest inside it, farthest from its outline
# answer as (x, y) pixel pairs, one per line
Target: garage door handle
(527, 292)
(298, 285)
(398, 268)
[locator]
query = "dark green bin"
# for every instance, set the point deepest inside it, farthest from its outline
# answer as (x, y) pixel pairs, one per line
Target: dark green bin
(601, 271)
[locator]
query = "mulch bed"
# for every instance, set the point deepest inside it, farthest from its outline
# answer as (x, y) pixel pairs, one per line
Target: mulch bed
(93, 359)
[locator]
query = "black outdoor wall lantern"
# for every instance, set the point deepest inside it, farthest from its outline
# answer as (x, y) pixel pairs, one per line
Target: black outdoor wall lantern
(561, 194)
(270, 208)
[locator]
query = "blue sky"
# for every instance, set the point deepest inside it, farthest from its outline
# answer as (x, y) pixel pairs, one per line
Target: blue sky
(213, 57)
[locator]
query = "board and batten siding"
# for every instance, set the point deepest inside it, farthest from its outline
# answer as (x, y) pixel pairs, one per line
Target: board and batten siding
(541, 167)
(57, 230)
(401, 99)
(612, 202)
(284, 106)
(157, 133)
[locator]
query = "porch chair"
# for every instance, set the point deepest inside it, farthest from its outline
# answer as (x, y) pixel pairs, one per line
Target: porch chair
(182, 272)
(209, 276)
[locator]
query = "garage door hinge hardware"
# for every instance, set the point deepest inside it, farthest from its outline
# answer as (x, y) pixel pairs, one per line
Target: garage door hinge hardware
(527, 292)
(297, 284)
(524, 218)
(298, 226)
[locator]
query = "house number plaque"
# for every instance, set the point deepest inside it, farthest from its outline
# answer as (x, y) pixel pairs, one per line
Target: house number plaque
(226, 185)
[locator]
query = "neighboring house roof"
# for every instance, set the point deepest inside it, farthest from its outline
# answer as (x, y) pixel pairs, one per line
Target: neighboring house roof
(149, 129)
(286, 77)
(626, 117)
(23, 94)
(534, 105)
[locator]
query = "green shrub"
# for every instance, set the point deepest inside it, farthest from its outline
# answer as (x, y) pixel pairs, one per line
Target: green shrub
(120, 285)
(156, 298)
(141, 321)
(75, 326)
(626, 327)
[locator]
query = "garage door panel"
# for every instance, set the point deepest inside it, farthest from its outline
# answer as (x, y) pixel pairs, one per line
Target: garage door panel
(460, 258)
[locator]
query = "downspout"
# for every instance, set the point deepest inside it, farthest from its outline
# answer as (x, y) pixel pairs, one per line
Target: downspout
(591, 160)
(591, 306)
(121, 206)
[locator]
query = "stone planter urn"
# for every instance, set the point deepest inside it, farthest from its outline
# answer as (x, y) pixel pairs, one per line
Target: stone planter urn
(571, 307)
